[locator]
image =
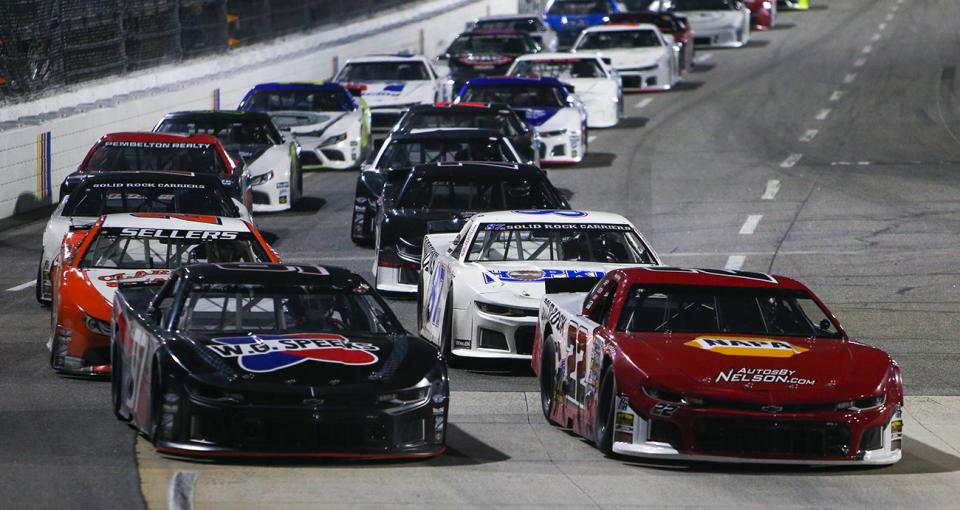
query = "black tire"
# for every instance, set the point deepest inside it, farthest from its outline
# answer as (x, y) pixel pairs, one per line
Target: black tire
(606, 411)
(116, 382)
(548, 379)
(446, 335)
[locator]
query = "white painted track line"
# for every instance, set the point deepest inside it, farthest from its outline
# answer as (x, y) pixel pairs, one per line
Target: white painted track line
(809, 135)
(859, 62)
(867, 49)
(735, 262)
(823, 114)
(849, 78)
(22, 286)
(703, 57)
(643, 103)
(791, 160)
(591, 138)
(180, 492)
(836, 95)
(750, 226)
(882, 26)
(773, 187)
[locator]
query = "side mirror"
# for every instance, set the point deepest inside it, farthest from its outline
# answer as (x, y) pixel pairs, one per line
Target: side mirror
(825, 325)
(607, 60)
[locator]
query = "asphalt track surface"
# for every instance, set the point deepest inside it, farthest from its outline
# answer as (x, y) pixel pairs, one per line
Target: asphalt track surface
(827, 150)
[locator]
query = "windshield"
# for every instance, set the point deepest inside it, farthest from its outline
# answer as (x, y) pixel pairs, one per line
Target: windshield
(244, 308)
(384, 71)
(611, 243)
(566, 68)
(724, 310)
(136, 248)
(155, 197)
(702, 5)
(326, 99)
(162, 156)
(580, 7)
(619, 39)
(406, 153)
(233, 130)
(288, 119)
(517, 96)
(491, 43)
(506, 123)
(520, 25)
(475, 193)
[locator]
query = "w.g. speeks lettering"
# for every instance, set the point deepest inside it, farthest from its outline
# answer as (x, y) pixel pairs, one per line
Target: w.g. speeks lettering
(269, 353)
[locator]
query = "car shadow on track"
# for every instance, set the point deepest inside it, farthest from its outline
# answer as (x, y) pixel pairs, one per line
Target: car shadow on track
(918, 458)
(783, 26)
(701, 68)
(630, 123)
(688, 85)
(596, 160)
(496, 367)
(757, 43)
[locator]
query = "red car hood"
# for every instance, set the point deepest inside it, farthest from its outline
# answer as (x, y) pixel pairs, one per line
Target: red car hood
(757, 368)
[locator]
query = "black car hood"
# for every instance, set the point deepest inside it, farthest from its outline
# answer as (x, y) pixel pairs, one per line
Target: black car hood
(319, 360)
(413, 224)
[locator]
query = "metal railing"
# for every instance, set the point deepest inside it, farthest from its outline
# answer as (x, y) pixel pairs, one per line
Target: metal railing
(46, 44)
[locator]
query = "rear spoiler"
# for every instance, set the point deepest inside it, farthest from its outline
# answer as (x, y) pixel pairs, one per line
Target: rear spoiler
(569, 285)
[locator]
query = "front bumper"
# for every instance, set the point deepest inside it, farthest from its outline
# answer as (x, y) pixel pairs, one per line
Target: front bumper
(271, 196)
(338, 156)
(78, 352)
(479, 334)
(721, 37)
(561, 149)
(192, 426)
(646, 80)
(815, 438)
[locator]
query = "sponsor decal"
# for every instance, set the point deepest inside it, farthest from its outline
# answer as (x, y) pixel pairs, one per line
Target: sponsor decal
(557, 226)
(746, 346)
(390, 90)
(162, 233)
(269, 353)
(553, 212)
(763, 375)
(555, 316)
(163, 185)
(538, 116)
(537, 275)
(716, 272)
(159, 145)
(146, 275)
(663, 409)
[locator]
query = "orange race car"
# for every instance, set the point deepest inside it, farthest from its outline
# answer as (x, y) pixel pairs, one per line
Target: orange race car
(130, 248)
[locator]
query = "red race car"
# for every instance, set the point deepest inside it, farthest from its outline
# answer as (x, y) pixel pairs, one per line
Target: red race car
(128, 248)
(714, 365)
(201, 154)
(763, 13)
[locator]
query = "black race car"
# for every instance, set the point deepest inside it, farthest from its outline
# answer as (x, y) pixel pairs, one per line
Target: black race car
(439, 197)
(403, 150)
(480, 53)
(511, 124)
(275, 360)
(273, 164)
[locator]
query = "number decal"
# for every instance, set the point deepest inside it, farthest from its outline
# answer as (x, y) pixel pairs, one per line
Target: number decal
(576, 375)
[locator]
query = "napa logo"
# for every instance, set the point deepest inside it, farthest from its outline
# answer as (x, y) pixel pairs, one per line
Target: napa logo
(746, 346)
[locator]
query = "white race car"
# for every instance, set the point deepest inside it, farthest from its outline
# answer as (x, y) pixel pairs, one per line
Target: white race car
(550, 106)
(145, 193)
(391, 84)
(273, 164)
(723, 23)
(480, 289)
(595, 83)
(640, 53)
(534, 24)
(330, 125)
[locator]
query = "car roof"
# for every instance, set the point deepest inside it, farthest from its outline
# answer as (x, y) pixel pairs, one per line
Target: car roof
(298, 85)
(512, 80)
(447, 134)
(464, 107)
(273, 274)
(174, 221)
(622, 27)
(149, 137)
(386, 58)
(152, 176)
(547, 216)
(495, 31)
(585, 55)
(475, 168)
(503, 17)
(218, 114)
(665, 275)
